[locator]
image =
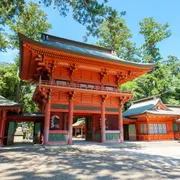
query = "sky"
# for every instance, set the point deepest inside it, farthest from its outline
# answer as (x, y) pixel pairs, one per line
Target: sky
(161, 10)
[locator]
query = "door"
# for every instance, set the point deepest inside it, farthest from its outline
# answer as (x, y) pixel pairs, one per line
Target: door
(37, 133)
(11, 131)
(132, 132)
(126, 131)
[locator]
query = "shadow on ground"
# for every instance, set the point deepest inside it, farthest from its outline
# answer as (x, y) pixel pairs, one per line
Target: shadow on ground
(38, 162)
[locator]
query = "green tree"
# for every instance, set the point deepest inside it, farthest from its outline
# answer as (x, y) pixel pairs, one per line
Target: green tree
(172, 96)
(162, 80)
(174, 64)
(154, 83)
(32, 22)
(153, 33)
(9, 82)
(3, 40)
(114, 34)
(90, 13)
(8, 11)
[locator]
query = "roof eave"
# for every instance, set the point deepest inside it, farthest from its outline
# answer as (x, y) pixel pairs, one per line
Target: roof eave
(133, 64)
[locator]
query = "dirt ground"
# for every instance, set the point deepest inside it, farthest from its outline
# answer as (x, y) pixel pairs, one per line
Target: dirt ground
(87, 160)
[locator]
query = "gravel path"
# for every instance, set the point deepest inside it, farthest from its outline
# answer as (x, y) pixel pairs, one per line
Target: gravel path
(87, 160)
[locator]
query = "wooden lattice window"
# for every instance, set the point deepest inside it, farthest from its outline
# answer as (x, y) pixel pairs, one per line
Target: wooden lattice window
(55, 122)
(158, 129)
(143, 129)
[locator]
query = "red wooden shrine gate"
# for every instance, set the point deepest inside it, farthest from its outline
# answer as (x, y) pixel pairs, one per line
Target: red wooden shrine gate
(76, 78)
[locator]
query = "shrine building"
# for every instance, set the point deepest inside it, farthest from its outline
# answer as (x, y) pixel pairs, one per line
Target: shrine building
(10, 115)
(77, 79)
(79, 127)
(149, 119)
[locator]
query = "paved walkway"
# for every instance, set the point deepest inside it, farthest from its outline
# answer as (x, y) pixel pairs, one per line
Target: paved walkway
(88, 160)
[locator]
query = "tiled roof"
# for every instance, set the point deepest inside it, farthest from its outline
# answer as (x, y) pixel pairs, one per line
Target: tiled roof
(141, 107)
(87, 49)
(163, 112)
(7, 103)
(174, 108)
(147, 107)
(79, 122)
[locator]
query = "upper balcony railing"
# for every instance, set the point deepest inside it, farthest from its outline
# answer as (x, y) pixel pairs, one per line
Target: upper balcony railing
(83, 86)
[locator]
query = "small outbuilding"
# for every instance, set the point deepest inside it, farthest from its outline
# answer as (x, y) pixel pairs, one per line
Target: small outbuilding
(10, 114)
(153, 120)
(7, 106)
(79, 127)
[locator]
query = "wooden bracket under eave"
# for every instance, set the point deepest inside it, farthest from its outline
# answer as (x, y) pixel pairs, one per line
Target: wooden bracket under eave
(72, 69)
(103, 74)
(104, 97)
(120, 77)
(71, 95)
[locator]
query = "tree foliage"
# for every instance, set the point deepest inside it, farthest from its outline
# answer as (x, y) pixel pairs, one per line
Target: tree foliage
(90, 13)
(3, 40)
(16, 16)
(115, 34)
(31, 22)
(8, 11)
(164, 80)
(153, 33)
(10, 82)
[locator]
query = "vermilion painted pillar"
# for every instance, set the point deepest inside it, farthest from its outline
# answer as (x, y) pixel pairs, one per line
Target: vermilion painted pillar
(120, 123)
(148, 131)
(2, 129)
(47, 121)
(103, 121)
(170, 125)
(137, 130)
(70, 121)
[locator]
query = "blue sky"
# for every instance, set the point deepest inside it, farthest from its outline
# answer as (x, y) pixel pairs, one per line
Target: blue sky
(162, 11)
